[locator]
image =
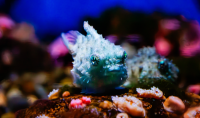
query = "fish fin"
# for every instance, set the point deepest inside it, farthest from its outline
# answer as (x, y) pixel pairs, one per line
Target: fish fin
(69, 39)
(126, 84)
(76, 79)
(90, 30)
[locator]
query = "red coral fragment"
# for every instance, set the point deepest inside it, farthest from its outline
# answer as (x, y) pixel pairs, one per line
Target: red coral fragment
(86, 100)
(80, 103)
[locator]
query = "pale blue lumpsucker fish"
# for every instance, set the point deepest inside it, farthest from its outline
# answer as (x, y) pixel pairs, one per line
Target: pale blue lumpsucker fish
(98, 64)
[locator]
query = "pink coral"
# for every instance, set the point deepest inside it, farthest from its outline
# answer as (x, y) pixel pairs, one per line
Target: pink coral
(86, 100)
(152, 93)
(76, 103)
(80, 103)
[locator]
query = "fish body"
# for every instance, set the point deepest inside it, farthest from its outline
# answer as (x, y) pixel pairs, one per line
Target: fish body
(147, 67)
(98, 64)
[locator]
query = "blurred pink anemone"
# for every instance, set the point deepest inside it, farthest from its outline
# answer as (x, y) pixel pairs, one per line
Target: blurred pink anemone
(163, 47)
(190, 43)
(194, 89)
(6, 23)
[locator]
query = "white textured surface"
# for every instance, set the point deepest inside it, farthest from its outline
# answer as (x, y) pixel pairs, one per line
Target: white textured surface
(130, 105)
(52, 92)
(154, 92)
(42, 116)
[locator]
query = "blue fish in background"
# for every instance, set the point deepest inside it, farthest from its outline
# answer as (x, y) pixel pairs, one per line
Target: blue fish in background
(148, 67)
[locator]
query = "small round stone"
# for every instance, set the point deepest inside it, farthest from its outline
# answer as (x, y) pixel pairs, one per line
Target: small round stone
(174, 104)
(122, 115)
(106, 104)
(66, 93)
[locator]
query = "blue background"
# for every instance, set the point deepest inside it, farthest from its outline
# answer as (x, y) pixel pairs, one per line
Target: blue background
(55, 16)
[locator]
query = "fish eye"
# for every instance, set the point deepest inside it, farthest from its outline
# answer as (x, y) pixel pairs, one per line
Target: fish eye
(124, 57)
(94, 59)
(163, 64)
